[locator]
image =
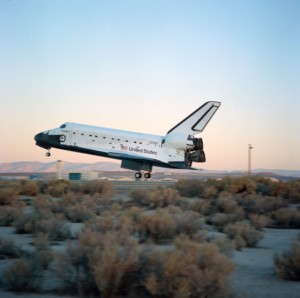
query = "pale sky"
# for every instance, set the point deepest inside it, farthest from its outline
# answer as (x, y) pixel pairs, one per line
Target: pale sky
(145, 65)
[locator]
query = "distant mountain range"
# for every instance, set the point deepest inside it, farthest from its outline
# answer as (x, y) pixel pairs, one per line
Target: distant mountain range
(40, 167)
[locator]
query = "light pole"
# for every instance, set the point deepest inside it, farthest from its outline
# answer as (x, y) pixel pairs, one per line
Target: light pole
(249, 159)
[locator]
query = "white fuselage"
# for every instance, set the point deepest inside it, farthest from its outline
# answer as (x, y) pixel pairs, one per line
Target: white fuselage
(109, 140)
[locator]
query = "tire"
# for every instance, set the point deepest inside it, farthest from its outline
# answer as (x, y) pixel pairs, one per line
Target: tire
(138, 175)
(147, 175)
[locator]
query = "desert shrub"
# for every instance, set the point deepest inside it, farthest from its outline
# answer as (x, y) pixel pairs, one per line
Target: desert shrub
(201, 206)
(100, 264)
(140, 197)
(226, 204)
(239, 185)
(222, 219)
(56, 188)
(43, 203)
(125, 225)
(293, 192)
(8, 195)
(20, 276)
(243, 234)
(76, 207)
(55, 226)
(188, 223)
(102, 188)
(105, 223)
(190, 188)
(29, 188)
(210, 192)
(156, 226)
(72, 268)
(264, 186)
(79, 213)
(113, 265)
(24, 223)
(162, 197)
(286, 218)
(224, 245)
(43, 254)
(8, 214)
(288, 190)
(287, 264)
(191, 270)
(171, 209)
(8, 248)
(133, 212)
(259, 221)
(109, 222)
(260, 204)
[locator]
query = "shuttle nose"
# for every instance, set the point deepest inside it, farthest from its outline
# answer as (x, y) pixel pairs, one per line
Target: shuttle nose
(41, 140)
(38, 137)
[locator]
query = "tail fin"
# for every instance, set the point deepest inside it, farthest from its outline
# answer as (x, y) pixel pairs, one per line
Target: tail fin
(197, 121)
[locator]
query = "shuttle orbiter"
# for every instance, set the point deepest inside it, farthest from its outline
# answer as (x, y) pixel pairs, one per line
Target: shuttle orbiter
(178, 149)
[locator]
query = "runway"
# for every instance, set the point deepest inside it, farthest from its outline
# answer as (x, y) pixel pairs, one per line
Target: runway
(140, 184)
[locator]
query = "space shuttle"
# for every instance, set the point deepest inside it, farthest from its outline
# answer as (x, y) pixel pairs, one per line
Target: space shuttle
(178, 149)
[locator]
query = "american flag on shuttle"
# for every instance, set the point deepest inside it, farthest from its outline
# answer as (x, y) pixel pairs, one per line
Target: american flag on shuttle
(124, 147)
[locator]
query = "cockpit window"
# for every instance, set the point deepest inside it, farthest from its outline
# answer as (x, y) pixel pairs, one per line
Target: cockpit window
(63, 126)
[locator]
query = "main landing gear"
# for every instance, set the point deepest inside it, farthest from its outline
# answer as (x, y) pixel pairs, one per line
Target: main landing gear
(138, 175)
(48, 153)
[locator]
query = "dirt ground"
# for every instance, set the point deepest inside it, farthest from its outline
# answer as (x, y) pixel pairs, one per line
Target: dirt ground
(254, 275)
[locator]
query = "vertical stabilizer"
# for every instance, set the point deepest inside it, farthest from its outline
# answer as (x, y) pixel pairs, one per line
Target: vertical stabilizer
(197, 121)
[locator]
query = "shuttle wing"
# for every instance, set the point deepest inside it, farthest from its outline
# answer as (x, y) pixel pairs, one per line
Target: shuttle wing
(197, 121)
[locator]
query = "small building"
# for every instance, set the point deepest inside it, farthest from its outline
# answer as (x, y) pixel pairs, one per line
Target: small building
(80, 175)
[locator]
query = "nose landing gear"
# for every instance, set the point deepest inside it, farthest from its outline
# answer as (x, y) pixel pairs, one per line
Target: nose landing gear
(48, 153)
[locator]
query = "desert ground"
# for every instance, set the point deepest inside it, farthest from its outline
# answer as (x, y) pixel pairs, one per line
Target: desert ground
(254, 275)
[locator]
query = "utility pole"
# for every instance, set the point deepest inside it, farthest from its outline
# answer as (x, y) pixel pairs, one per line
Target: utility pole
(249, 159)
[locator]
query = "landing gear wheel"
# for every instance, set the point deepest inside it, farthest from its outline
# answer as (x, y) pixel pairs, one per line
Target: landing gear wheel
(138, 175)
(147, 175)
(48, 154)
